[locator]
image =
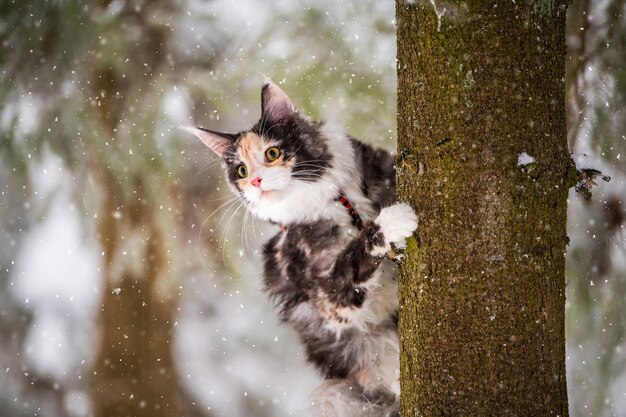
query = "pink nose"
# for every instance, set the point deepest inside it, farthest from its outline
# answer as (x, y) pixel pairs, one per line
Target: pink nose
(256, 182)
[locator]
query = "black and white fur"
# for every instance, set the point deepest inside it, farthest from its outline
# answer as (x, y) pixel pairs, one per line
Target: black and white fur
(331, 280)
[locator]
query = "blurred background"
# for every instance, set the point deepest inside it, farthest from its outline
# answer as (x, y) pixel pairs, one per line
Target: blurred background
(129, 285)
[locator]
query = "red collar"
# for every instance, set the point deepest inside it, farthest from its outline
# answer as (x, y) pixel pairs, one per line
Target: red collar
(356, 219)
(343, 199)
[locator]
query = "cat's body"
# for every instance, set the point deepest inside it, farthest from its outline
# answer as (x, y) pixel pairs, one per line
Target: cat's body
(348, 326)
(327, 268)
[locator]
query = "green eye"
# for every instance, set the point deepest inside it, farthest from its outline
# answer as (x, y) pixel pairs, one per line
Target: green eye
(272, 153)
(242, 171)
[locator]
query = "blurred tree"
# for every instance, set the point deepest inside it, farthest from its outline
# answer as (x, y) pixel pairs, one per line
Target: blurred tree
(134, 371)
(27, 43)
(483, 157)
(105, 64)
(596, 271)
(14, 317)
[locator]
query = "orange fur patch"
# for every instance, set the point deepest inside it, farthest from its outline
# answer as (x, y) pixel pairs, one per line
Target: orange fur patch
(249, 147)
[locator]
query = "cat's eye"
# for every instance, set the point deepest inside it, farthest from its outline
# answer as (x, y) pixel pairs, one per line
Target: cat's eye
(242, 171)
(272, 153)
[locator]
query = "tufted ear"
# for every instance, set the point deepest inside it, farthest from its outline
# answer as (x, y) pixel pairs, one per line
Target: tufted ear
(275, 105)
(216, 141)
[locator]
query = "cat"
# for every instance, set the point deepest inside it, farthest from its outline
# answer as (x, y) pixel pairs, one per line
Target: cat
(327, 268)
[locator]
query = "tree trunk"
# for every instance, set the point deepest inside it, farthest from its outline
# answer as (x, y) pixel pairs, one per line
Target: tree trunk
(482, 288)
(134, 372)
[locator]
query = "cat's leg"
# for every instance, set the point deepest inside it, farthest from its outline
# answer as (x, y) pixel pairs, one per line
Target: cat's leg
(396, 223)
(362, 257)
(378, 364)
(344, 398)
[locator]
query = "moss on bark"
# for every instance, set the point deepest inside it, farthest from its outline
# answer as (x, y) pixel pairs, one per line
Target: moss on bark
(482, 288)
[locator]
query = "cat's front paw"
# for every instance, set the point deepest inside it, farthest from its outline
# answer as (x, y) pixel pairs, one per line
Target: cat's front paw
(397, 222)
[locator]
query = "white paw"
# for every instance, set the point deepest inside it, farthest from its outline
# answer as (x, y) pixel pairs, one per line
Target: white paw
(397, 222)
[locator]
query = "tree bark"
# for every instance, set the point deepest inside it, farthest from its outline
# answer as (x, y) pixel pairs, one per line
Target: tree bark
(482, 290)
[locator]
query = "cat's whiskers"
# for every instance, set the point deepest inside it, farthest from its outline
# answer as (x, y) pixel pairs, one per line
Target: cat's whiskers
(229, 196)
(319, 177)
(211, 164)
(248, 230)
(220, 246)
(256, 228)
(228, 211)
(309, 162)
(232, 199)
(271, 127)
(316, 167)
(242, 233)
(308, 171)
(293, 154)
(252, 233)
(224, 235)
(231, 202)
(248, 217)
(264, 119)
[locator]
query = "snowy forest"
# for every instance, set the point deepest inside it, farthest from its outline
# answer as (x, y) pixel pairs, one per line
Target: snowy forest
(129, 285)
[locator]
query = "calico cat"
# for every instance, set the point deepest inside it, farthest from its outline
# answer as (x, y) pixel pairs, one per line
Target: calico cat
(333, 198)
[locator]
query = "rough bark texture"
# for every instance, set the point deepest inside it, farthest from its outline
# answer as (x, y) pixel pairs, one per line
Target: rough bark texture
(482, 289)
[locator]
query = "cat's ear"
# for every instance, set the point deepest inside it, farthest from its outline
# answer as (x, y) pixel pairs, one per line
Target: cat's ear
(216, 141)
(275, 105)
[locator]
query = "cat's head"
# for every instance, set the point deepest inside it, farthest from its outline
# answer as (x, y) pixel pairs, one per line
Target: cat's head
(280, 165)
